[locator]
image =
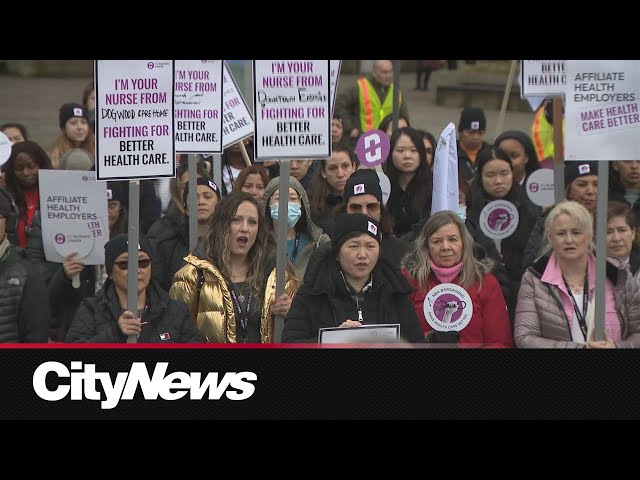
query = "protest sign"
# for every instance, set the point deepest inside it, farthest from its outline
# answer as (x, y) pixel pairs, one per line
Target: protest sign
(292, 108)
(198, 106)
(134, 119)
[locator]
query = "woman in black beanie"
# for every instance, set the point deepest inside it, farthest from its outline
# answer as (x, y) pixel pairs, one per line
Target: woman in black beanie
(352, 286)
(106, 317)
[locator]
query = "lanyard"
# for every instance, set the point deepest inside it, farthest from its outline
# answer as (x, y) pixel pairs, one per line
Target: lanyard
(295, 247)
(231, 180)
(244, 315)
(585, 300)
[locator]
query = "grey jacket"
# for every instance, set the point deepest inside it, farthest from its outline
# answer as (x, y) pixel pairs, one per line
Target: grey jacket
(541, 322)
(317, 237)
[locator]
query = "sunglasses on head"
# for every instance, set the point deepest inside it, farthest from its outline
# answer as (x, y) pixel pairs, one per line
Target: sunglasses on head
(124, 264)
(357, 207)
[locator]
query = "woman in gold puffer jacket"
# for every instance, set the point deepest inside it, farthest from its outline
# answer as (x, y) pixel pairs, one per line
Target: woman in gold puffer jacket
(225, 283)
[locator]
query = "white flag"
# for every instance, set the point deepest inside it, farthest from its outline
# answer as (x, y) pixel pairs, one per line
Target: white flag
(445, 172)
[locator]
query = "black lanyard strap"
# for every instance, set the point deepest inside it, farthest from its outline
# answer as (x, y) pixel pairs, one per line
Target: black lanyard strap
(585, 304)
(295, 247)
(243, 314)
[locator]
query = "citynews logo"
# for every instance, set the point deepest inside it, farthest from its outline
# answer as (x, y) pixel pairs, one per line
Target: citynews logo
(84, 378)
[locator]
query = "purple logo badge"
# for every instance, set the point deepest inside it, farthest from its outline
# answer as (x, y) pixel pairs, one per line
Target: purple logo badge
(372, 148)
(448, 308)
(150, 65)
(499, 219)
(59, 238)
(533, 186)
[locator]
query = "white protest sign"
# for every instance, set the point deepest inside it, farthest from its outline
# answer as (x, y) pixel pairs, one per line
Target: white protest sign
(292, 109)
(198, 106)
(334, 73)
(533, 101)
(542, 77)
(447, 308)
(540, 187)
(499, 219)
(385, 186)
(5, 148)
(236, 117)
(134, 119)
(602, 112)
(73, 209)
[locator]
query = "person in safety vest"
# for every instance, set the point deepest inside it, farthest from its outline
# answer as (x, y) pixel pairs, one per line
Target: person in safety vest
(542, 131)
(365, 104)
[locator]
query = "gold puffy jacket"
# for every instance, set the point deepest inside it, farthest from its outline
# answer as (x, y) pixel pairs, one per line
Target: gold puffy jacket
(213, 310)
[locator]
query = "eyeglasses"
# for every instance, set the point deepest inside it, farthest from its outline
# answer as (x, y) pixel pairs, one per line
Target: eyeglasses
(124, 264)
(357, 207)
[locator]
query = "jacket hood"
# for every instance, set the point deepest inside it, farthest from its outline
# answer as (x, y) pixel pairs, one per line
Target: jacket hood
(313, 230)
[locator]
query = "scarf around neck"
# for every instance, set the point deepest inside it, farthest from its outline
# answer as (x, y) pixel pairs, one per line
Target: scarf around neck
(445, 274)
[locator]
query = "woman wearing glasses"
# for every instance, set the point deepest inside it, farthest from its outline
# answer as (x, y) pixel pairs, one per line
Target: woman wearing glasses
(363, 194)
(106, 318)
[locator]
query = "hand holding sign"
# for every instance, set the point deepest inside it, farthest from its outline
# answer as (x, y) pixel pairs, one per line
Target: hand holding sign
(72, 268)
(75, 244)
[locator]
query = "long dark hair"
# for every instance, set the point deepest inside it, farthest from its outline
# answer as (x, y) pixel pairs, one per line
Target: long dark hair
(39, 156)
(421, 185)
(319, 187)
(216, 242)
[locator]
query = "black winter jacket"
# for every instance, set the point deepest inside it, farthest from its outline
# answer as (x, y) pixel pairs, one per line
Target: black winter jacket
(324, 301)
(24, 316)
(96, 320)
(169, 237)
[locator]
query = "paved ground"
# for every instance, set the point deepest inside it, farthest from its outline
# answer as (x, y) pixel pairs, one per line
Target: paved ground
(35, 103)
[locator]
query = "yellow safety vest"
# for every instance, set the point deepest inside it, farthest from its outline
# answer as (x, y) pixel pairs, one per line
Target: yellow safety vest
(542, 134)
(371, 111)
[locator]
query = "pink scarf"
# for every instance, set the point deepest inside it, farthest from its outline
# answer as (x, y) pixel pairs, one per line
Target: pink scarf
(445, 274)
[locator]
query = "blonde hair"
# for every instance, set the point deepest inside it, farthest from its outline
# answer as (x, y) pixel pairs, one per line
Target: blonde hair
(577, 212)
(418, 260)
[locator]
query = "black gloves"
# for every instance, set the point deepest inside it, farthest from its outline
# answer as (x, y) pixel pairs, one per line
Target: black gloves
(434, 336)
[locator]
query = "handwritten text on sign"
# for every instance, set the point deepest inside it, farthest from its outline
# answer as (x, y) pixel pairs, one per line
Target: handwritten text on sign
(292, 109)
(134, 127)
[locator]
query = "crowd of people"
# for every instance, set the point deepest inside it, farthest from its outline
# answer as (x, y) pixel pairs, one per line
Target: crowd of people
(354, 257)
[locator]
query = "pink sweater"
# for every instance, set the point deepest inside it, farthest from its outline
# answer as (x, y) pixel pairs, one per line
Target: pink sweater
(553, 276)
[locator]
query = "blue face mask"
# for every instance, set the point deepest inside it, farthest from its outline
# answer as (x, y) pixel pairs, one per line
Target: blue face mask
(462, 212)
(293, 214)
